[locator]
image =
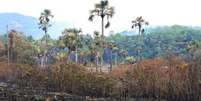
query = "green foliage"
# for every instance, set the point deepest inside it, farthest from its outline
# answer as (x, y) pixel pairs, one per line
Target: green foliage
(130, 59)
(159, 41)
(72, 39)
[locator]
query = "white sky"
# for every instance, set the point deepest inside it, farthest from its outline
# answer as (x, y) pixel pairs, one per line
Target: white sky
(157, 12)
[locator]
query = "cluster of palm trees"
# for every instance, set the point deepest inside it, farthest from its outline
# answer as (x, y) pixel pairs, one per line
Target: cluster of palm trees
(72, 40)
(71, 36)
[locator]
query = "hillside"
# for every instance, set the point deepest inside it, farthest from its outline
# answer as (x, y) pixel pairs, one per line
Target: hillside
(28, 25)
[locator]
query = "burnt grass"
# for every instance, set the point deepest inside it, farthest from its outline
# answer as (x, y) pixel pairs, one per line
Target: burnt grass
(149, 80)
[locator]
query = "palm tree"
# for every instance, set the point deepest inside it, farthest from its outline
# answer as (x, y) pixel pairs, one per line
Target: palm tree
(102, 10)
(72, 40)
(139, 22)
(94, 48)
(44, 24)
(12, 34)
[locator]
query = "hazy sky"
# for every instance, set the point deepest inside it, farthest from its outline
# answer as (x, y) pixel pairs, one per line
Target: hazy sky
(157, 12)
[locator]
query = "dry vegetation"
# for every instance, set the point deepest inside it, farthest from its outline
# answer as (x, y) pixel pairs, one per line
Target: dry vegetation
(169, 79)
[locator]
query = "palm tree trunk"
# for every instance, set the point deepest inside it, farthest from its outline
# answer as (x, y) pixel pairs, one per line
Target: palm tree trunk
(139, 31)
(102, 25)
(140, 41)
(97, 60)
(102, 36)
(97, 63)
(45, 54)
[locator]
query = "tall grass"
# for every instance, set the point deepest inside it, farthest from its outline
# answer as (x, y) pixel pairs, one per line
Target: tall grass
(170, 79)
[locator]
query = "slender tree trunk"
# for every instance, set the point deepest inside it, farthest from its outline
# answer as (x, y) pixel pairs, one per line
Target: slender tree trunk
(76, 55)
(102, 36)
(45, 54)
(42, 61)
(140, 41)
(102, 25)
(76, 51)
(8, 46)
(97, 59)
(139, 31)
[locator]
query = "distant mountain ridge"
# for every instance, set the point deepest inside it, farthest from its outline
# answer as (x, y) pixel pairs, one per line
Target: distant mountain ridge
(29, 25)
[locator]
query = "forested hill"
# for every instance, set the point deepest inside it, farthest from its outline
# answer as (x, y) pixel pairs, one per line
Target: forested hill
(155, 42)
(159, 40)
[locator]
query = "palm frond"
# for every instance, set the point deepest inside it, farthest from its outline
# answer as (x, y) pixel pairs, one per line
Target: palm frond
(137, 24)
(146, 23)
(47, 19)
(94, 11)
(98, 6)
(134, 21)
(132, 26)
(51, 15)
(42, 13)
(140, 18)
(40, 18)
(142, 31)
(104, 3)
(91, 17)
(47, 12)
(110, 11)
(107, 25)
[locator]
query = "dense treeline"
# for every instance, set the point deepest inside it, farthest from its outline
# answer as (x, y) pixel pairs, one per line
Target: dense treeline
(157, 42)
